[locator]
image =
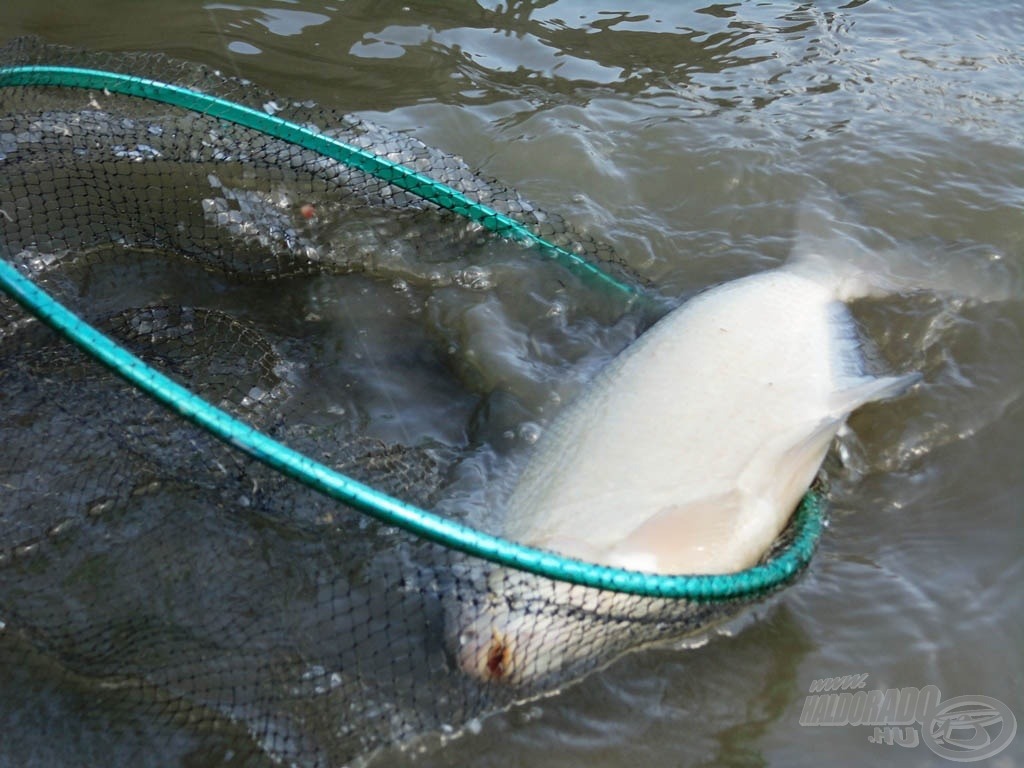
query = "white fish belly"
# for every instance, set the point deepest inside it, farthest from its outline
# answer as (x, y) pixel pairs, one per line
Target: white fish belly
(690, 451)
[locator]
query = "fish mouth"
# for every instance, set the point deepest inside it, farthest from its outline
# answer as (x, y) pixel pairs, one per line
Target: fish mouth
(499, 658)
(489, 657)
(508, 639)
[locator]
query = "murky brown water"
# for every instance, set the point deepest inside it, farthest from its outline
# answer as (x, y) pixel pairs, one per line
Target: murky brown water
(687, 138)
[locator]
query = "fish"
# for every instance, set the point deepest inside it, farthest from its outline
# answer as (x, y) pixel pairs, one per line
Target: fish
(689, 452)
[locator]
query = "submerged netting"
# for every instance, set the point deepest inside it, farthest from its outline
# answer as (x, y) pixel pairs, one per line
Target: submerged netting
(167, 597)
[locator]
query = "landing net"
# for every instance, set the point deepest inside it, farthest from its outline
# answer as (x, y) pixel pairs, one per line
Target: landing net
(208, 552)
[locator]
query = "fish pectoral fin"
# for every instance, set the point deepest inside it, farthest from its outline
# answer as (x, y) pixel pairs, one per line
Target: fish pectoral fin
(681, 538)
(788, 463)
(713, 534)
(867, 390)
(726, 532)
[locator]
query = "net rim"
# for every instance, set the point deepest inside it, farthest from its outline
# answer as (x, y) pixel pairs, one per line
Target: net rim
(751, 582)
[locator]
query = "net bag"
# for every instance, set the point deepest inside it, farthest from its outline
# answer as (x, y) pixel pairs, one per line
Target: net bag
(211, 550)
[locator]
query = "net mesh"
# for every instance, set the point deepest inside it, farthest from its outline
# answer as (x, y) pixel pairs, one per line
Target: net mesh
(164, 598)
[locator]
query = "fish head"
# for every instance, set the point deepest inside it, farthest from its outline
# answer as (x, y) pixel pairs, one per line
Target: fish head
(524, 630)
(492, 645)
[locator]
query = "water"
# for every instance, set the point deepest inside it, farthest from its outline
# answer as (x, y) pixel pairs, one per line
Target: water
(687, 138)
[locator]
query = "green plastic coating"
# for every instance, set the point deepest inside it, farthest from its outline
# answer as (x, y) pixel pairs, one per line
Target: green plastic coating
(750, 582)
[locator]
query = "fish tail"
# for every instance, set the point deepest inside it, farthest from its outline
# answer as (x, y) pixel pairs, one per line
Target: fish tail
(857, 261)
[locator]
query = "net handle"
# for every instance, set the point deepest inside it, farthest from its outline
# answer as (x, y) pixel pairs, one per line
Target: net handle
(747, 583)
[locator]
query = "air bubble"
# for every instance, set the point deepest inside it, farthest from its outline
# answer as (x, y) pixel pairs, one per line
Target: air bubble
(26, 549)
(55, 530)
(557, 309)
(529, 432)
(100, 507)
(476, 278)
